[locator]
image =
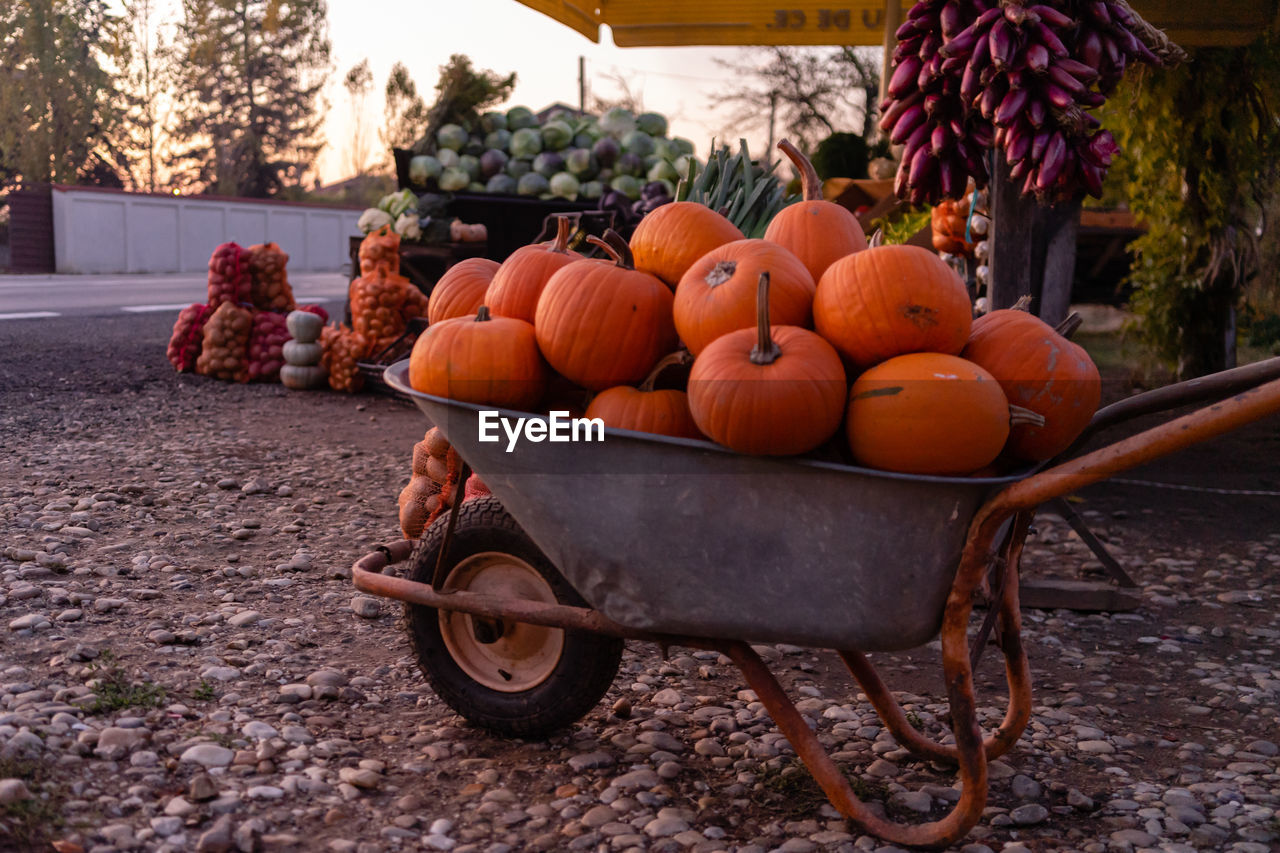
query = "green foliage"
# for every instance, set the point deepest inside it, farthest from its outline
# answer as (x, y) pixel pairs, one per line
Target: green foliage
(903, 224)
(1198, 166)
(248, 94)
(462, 94)
(114, 688)
(204, 692)
(841, 155)
(749, 193)
(57, 106)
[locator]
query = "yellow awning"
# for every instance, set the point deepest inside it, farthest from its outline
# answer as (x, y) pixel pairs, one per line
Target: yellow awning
(659, 23)
(668, 23)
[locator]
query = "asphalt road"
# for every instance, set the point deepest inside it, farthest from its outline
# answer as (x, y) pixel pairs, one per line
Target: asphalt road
(47, 296)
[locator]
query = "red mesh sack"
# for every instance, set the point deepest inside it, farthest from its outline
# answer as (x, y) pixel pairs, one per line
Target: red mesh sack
(269, 280)
(266, 345)
(224, 351)
(228, 275)
(342, 349)
(188, 334)
(317, 310)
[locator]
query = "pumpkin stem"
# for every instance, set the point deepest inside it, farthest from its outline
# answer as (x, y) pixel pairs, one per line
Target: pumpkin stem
(765, 351)
(615, 246)
(482, 314)
(1023, 304)
(679, 357)
(810, 183)
(561, 242)
(876, 239)
(1070, 325)
(1020, 415)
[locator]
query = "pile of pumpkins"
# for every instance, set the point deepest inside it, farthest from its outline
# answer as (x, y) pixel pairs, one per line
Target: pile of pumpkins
(794, 338)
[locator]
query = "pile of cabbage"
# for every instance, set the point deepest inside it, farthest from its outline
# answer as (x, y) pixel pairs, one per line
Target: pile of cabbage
(567, 156)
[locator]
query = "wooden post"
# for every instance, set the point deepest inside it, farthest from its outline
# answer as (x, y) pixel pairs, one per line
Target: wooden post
(892, 20)
(1033, 248)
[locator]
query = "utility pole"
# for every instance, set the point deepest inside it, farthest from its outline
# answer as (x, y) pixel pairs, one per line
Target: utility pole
(582, 84)
(773, 112)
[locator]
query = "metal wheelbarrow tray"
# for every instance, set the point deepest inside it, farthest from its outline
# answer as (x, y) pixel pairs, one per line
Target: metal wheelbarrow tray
(682, 542)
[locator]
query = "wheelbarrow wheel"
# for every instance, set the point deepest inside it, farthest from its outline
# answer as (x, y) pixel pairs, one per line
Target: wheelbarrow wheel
(516, 679)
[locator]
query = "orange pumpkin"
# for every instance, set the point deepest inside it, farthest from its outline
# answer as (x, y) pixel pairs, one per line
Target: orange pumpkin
(1040, 370)
(718, 293)
(487, 360)
(601, 324)
(927, 413)
(518, 283)
(670, 238)
(770, 391)
(460, 291)
(891, 300)
(817, 231)
(663, 411)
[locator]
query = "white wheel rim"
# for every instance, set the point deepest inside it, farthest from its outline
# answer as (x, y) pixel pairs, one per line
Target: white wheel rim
(524, 655)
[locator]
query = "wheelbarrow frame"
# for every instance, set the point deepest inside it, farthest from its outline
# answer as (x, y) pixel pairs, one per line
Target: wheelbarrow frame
(990, 554)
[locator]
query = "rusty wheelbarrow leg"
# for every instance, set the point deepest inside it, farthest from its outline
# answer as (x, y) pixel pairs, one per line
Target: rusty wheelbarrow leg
(1017, 675)
(970, 753)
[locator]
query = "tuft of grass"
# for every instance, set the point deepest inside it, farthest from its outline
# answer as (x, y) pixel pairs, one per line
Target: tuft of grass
(792, 789)
(205, 692)
(115, 689)
(28, 824)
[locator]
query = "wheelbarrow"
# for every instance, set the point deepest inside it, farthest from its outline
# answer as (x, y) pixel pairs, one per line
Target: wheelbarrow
(518, 604)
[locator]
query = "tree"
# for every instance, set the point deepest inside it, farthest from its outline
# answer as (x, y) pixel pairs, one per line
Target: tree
(1201, 170)
(58, 112)
(462, 93)
(814, 92)
(147, 73)
(404, 112)
(626, 99)
(358, 82)
(249, 94)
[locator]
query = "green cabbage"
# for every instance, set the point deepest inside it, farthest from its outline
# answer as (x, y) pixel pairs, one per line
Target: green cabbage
(422, 169)
(526, 143)
(451, 136)
(564, 185)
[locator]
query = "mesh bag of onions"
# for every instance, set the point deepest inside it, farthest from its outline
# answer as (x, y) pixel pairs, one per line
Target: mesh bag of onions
(269, 280)
(343, 347)
(188, 333)
(380, 249)
(381, 305)
(266, 346)
(224, 352)
(228, 275)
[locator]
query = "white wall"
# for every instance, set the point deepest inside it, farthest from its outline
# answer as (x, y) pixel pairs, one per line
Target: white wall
(97, 231)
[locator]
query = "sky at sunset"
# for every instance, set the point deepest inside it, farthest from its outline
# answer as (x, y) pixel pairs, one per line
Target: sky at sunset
(505, 36)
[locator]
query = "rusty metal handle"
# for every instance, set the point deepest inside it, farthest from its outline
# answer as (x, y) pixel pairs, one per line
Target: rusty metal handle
(1202, 389)
(1170, 437)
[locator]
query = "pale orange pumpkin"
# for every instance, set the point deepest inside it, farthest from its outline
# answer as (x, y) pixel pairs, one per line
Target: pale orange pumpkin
(927, 413)
(772, 391)
(518, 283)
(818, 232)
(487, 360)
(670, 238)
(1039, 369)
(891, 300)
(664, 411)
(718, 293)
(602, 323)
(460, 291)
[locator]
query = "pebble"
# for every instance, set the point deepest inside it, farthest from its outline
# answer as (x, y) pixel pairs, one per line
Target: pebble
(365, 607)
(208, 755)
(287, 724)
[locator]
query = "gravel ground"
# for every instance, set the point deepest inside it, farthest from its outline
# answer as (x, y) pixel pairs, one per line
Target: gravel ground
(184, 664)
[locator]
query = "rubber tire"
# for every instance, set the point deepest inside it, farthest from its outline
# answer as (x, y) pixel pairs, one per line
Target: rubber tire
(588, 662)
